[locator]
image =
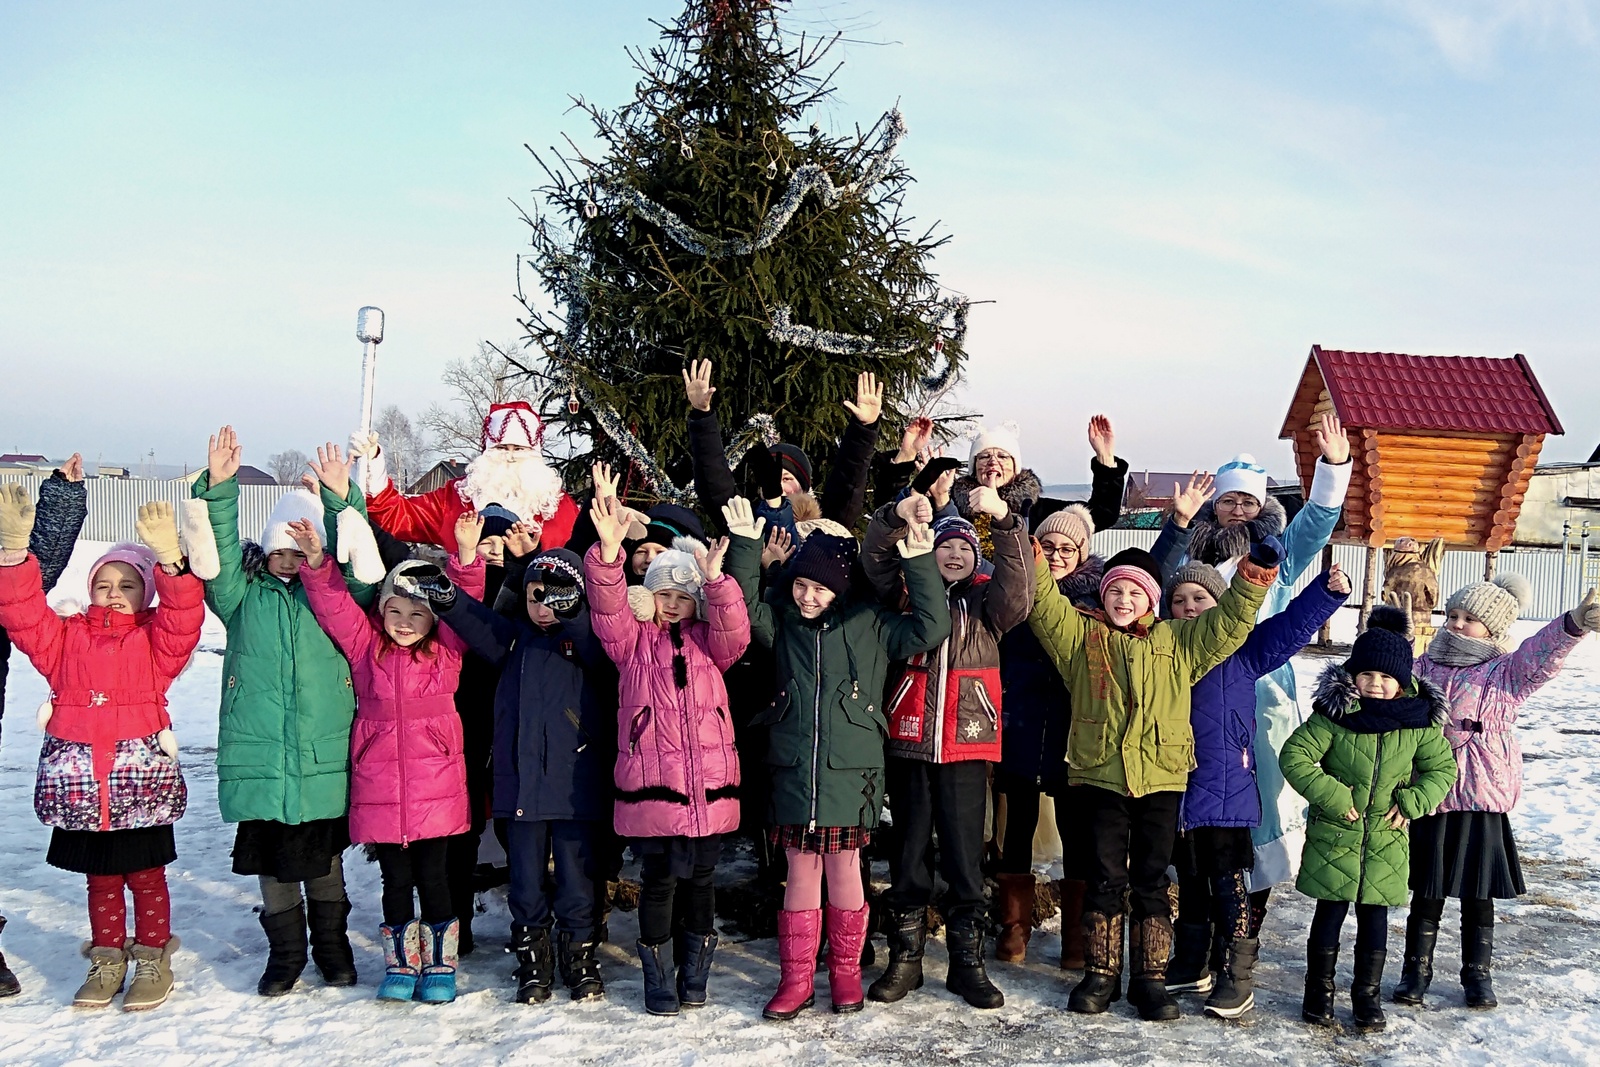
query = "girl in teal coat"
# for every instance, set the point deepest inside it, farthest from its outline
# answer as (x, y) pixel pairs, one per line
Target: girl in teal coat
(1371, 758)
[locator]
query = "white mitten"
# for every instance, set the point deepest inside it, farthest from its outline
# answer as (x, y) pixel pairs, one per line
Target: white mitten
(1587, 614)
(741, 520)
(199, 542)
(359, 548)
(371, 473)
(918, 541)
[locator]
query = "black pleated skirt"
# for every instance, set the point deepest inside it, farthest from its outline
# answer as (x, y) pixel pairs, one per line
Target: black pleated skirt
(1469, 855)
(1209, 851)
(112, 851)
(289, 853)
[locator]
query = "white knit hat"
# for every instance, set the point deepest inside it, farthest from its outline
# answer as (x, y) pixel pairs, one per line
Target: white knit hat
(1005, 437)
(1242, 474)
(676, 569)
(297, 504)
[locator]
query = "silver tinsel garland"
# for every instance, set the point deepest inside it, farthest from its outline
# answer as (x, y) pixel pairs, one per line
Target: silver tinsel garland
(804, 180)
(785, 331)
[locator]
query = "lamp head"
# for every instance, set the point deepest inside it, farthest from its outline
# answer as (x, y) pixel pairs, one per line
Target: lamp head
(369, 325)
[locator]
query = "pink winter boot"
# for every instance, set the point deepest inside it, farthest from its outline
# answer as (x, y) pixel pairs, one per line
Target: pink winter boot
(798, 935)
(847, 933)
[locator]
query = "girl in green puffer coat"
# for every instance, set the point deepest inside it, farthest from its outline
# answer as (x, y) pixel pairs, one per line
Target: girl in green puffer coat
(1371, 758)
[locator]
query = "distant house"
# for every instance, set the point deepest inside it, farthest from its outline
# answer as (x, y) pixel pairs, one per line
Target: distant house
(21, 459)
(441, 473)
(249, 475)
(1560, 494)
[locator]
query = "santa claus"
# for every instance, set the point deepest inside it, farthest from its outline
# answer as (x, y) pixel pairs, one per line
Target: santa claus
(511, 472)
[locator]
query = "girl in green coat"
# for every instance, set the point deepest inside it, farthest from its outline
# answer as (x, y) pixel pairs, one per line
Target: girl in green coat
(1371, 758)
(826, 747)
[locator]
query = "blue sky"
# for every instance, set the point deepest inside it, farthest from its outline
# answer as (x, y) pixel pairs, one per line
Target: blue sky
(1169, 203)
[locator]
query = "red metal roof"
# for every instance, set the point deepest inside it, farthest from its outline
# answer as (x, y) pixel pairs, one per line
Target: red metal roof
(1463, 394)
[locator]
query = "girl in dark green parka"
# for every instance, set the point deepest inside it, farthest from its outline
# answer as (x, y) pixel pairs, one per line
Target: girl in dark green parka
(826, 747)
(1371, 758)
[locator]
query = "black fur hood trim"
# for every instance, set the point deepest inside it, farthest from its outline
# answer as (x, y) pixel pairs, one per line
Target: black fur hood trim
(1336, 693)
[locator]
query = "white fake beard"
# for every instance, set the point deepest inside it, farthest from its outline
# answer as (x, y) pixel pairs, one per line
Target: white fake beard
(521, 482)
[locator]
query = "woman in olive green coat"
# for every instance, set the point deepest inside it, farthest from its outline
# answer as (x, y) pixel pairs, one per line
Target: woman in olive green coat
(826, 746)
(283, 744)
(1371, 758)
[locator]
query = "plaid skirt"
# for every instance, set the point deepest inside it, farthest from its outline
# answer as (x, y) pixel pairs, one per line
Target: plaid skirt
(824, 840)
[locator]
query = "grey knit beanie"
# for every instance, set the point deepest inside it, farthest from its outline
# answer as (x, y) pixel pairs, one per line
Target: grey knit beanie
(1201, 574)
(1496, 604)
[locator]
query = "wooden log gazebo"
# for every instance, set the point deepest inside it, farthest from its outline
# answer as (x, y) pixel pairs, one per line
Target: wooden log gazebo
(1443, 446)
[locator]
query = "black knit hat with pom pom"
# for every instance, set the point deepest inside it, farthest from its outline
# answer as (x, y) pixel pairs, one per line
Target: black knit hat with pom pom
(1385, 646)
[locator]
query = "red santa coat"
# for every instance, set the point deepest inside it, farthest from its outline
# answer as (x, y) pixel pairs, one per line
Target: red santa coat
(431, 517)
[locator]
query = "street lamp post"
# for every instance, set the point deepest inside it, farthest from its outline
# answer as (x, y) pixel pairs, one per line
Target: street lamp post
(369, 331)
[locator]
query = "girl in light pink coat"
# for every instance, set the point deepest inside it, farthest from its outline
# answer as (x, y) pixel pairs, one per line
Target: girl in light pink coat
(677, 770)
(408, 783)
(1465, 849)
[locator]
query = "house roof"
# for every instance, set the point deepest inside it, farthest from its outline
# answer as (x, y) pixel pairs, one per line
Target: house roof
(249, 475)
(1462, 394)
(22, 457)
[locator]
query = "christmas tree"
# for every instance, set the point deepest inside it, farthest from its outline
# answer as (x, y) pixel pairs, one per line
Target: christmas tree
(721, 223)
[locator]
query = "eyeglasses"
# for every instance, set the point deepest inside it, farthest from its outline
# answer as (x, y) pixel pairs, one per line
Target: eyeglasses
(1061, 551)
(1238, 504)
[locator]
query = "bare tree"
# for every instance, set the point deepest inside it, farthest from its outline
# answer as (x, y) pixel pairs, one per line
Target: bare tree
(287, 466)
(487, 378)
(404, 449)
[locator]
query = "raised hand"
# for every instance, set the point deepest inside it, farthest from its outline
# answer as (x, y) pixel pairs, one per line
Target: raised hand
(741, 520)
(434, 584)
(939, 492)
(710, 560)
(778, 549)
(1338, 581)
(332, 469)
(915, 508)
(157, 526)
(610, 524)
(915, 440)
(1587, 614)
(222, 455)
(16, 517)
(918, 540)
(72, 469)
(305, 536)
(469, 531)
(869, 399)
(521, 541)
(1187, 501)
(1331, 439)
(1103, 439)
(986, 499)
(605, 483)
(697, 384)
(364, 445)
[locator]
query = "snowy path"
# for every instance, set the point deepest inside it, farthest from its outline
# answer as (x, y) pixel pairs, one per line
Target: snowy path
(1548, 956)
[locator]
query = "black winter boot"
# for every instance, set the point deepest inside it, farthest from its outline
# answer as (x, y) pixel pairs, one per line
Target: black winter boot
(694, 966)
(1189, 971)
(1102, 964)
(1477, 949)
(1366, 994)
(1149, 946)
(330, 941)
(660, 996)
(1421, 937)
(536, 971)
(966, 977)
(286, 951)
(1234, 993)
(1317, 1007)
(9, 986)
(907, 937)
(580, 970)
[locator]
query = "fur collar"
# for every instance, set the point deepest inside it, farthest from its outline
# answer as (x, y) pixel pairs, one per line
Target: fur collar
(1082, 586)
(253, 561)
(1336, 698)
(1020, 494)
(1212, 543)
(805, 507)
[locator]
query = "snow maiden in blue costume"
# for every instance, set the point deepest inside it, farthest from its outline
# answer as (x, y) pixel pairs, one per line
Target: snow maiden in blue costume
(1242, 514)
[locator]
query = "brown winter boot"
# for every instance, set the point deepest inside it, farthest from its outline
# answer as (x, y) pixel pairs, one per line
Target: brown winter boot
(152, 976)
(108, 967)
(1102, 976)
(1072, 894)
(1016, 917)
(1149, 948)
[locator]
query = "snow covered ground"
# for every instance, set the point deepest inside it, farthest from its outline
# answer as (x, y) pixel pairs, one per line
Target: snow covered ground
(1548, 956)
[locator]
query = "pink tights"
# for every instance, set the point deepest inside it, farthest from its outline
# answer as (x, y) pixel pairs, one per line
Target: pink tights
(804, 891)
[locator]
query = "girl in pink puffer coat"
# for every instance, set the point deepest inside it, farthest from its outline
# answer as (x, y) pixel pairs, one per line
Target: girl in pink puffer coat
(408, 781)
(677, 770)
(1465, 849)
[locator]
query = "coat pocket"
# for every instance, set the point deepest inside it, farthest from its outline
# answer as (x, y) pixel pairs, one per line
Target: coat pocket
(977, 717)
(1088, 742)
(858, 739)
(1174, 747)
(788, 742)
(908, 706)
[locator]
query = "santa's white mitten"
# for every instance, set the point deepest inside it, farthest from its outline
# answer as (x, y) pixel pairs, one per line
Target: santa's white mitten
(359, 548)
(371, 472)
(198, 540)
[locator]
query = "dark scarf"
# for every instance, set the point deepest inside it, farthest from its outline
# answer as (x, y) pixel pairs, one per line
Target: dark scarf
(1214, 544)
(1082, 586)
(1337, 699)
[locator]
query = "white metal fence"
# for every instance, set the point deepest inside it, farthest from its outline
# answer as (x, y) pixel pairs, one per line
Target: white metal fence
(1543, 567)
(114, 503)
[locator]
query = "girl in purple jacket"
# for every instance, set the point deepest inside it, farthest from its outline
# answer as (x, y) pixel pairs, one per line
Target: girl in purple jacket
(677, 770)
(408, 777)
(1465, 850)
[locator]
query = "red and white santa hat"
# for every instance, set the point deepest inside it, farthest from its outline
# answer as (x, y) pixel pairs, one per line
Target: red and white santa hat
(515, 423)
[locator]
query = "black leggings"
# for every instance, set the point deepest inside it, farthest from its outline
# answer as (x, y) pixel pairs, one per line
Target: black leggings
(419, 866)
(1372, 925)
(1473, 912)
(666, 900)
(1222, 901)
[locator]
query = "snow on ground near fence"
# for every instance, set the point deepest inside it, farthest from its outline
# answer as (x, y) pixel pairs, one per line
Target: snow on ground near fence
(1548, 956)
